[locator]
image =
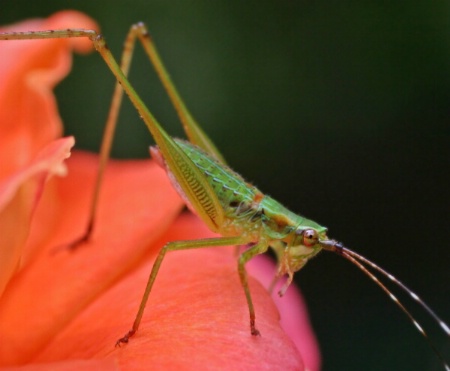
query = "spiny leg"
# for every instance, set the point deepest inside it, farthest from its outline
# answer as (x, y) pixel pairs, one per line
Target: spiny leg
(108, 137)
(173, 246)
(189, 177)
(259, 248)
(192, 129)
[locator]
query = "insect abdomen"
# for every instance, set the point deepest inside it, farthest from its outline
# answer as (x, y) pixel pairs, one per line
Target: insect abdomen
(237, 197)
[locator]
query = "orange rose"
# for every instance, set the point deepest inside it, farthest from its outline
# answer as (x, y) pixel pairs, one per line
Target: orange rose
(66, 309)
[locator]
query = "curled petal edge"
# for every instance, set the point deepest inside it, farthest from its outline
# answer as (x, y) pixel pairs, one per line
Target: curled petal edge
(19, 195)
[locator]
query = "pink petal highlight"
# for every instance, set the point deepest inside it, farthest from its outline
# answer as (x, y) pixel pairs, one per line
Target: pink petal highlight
(293, 312)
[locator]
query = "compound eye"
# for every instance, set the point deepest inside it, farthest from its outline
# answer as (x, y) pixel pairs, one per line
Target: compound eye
(310, 237)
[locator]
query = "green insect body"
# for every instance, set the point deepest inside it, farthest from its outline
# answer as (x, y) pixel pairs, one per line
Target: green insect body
(236, 210)
(251, 214)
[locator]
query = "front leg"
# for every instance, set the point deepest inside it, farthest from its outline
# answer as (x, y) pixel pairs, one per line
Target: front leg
(259, 248)
(172, 246)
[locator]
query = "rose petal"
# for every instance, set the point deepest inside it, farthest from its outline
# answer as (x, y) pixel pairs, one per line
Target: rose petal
(293, 311)
(196, 315)
(69, 365)
(19, 195)
(29, 122)
(29, 70)
(130, 216)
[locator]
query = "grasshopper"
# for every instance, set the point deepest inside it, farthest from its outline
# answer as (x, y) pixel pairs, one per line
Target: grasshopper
(239, 212)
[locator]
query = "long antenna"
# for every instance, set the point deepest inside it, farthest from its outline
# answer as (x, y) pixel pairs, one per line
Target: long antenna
(405, 288)
(360, 260)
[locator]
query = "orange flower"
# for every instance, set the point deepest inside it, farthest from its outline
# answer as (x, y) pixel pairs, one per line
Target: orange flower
(65, 310)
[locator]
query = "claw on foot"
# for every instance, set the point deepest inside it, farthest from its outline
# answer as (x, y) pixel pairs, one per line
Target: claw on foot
(75, 244)
(71, 246)
(253, 329)
(79, 241)
(125, 339)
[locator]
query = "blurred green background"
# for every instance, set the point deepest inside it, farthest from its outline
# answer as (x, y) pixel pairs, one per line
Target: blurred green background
(338, 109)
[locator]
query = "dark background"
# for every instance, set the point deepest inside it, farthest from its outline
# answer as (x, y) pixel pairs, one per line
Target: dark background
(338, 109)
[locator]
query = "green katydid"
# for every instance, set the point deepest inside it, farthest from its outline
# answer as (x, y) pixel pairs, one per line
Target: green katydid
(228, 205)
